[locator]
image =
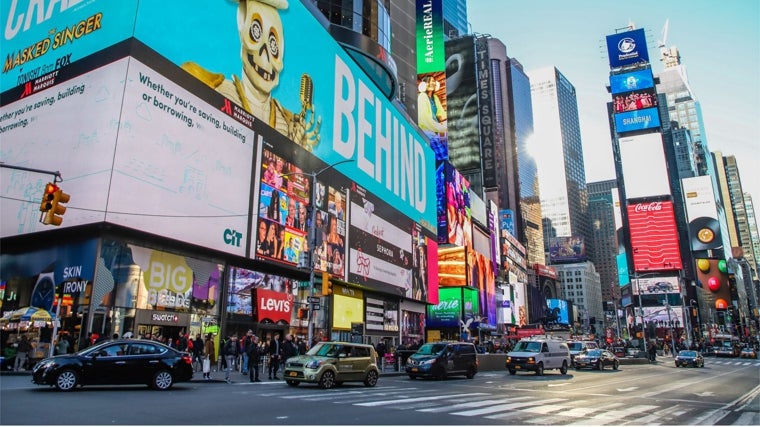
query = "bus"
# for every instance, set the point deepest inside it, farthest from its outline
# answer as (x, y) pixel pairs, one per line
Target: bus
(726, 345)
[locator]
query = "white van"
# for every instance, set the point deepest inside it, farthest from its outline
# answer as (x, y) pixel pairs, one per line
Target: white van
(538, 354)
(579, 346)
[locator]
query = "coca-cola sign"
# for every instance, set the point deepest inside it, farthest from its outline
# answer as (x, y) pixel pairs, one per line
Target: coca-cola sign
(274, 306)
(648, 207)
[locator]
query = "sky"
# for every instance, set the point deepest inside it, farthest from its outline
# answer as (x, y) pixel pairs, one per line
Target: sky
(719, 43)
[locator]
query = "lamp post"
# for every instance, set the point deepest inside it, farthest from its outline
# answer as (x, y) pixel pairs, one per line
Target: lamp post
(313, 239)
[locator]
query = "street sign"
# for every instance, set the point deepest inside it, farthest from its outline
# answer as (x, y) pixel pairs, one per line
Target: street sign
(313, 300)
(315, 306)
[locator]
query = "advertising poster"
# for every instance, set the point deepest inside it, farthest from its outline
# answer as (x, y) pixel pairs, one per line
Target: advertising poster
(634, 80)
(644, 181)
(348, 307)
(462, 90)
(482, 278)
(567, 249)
(702, 214)
(630, 121)
(382, 252)
(656, 285)
(627, 48)
(41, 38)
(557, 312)
(490, 136)
(242, 282)
(432, 102)
(263, 65)
(654, 237)
(448, 312)
(634, 100)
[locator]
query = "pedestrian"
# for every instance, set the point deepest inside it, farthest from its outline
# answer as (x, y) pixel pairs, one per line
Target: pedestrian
(275, 349)
(210, 356)
(289, 349)
(231, 352)
(302, 346)
(62, 346)
(254, 354)
(244, 343)
(198, 353)
(182, 342)
(22, 352)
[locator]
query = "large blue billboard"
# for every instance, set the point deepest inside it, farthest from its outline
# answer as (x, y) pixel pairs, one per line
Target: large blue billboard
(630, 121)
(628, 82)
(262, 57)
(627, 48)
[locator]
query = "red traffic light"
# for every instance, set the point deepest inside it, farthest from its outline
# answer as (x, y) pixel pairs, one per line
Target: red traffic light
(48, 194)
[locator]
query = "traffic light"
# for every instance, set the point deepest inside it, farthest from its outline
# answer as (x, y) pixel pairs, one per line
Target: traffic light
(47, 197)
(326, 284)
(54, 215)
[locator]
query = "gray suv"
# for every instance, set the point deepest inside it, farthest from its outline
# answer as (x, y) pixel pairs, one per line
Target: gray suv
(330, 364)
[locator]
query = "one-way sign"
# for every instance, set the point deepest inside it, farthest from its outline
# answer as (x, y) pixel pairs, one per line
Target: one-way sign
(313, 299)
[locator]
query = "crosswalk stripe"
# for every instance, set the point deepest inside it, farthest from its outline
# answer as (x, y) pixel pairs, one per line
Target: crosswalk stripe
(622, 413)
(505, 407)
(473, 404)
(417, 399)
(545, 409)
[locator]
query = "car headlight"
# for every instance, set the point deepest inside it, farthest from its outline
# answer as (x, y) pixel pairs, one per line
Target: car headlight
(428, 362)
(509, 359)
(314, 364)
(531, 360)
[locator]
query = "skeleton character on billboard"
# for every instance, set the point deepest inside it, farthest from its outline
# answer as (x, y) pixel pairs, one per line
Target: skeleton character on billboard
(262, 54)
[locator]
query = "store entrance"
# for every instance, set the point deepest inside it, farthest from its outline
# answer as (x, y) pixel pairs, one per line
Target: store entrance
(162, 333)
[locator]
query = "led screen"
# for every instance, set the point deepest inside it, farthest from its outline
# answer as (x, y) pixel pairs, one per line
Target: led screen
(347, 310)
(701, 212)
(627, 48)
(654, 238)
(637, 120)
(645, 171)
(557, 312)
(636, 100)
(635, 80)
(656, 285)
(567, 249)
(462, 90)
(448, 311)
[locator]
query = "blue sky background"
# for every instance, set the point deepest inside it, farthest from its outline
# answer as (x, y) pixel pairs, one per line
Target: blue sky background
(719, 43)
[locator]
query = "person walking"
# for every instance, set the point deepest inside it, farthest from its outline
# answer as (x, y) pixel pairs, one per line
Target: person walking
(275, 349)
(198, 349)
(22, 352)
(289, 350)
(209, 355)
(253, 353)
(231, 352)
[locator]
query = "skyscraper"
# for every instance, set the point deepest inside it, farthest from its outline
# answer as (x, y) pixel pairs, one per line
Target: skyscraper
(601, 212)
(557, 139)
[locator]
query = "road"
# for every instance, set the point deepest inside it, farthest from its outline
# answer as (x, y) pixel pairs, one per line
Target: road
(725, 392)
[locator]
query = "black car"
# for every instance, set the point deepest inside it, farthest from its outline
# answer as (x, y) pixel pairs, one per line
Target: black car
(660, 287)
(442, 359)
(116, 362)
(595, 359)
(690, 358)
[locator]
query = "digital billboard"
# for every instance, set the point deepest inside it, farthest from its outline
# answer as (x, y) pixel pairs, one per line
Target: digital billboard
(636, 100)
(242, 282)
(481, 277)
(40, 38)
(662, 315)
(462, 90)
(645, 171)
(656, 285)
(385, 251)
(432, 102)
(627, 48)
(452, 266)
(635, 80)
(558, 312)
(712, 279)
(622, 269)
(454, 210)
(654, 237)
(630, 121)
(263, 65)
(448, 311)
(701, 212)
(488, 132)
(567, 249)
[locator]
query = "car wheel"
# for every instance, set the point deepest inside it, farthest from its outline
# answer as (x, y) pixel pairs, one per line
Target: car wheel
(615, 365)
(470, 373)
(162, 380)
(371, 379)
(327, 380)
(66, 380)
(292, 383)
(441, 375)
(599, 366)
(412, 377)
(512, 371)
(563, 369)
(540, 369)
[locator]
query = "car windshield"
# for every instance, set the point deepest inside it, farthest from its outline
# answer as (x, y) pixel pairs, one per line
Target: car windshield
(592, 353)
(431, 349)
(575, 346)
(532, 346)
(687, 353)
(325, 349)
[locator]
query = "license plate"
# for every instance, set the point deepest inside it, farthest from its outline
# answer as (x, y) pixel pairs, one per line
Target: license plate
(517, 366)
(293, 374)
(414, 369)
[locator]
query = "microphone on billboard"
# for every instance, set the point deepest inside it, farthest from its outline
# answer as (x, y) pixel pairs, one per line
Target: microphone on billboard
(306, 93)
